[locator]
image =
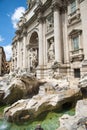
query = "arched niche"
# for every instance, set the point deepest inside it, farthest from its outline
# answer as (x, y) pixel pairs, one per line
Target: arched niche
(33, 51)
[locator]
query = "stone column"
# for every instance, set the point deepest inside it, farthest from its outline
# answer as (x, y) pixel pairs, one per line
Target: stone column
(44, 41)
(65, 40)
(57, 32)
(40, 68)
(24, 51)
(12, 57)
(27, 57)
(18, 54)
(41, 56)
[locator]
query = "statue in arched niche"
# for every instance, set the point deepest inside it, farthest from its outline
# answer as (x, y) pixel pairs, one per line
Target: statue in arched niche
(33, 58)
(51, 54)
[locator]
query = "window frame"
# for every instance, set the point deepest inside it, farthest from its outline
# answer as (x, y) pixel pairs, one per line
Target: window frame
(77, 73)
(73, 6)
(75, 43)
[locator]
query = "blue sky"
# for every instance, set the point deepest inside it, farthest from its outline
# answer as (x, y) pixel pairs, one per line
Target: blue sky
(10, 12)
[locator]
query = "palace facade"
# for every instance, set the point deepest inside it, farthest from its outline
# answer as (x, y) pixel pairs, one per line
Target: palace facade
(52, 38)
(2, 61)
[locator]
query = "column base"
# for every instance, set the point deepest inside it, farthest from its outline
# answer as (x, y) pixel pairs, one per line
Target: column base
(42, 72)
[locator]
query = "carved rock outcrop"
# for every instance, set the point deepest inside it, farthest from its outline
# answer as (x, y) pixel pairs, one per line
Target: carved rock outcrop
(25, 110)
(19, 87)
(83, 85)
(77, 122)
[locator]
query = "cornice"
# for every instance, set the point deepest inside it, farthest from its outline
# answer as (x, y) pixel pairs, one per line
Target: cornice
(47, 4)
(41, 8)
(31, 20)
(39, 13)
(38, 9)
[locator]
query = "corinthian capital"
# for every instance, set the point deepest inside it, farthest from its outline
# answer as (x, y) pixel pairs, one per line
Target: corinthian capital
(41, 19)
(56, 4)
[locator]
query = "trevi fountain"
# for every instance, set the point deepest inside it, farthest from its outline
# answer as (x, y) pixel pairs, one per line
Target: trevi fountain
(58, 103)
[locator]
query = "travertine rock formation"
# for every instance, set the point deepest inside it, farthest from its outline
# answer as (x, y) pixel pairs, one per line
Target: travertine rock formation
(78, 121)
(48, 99)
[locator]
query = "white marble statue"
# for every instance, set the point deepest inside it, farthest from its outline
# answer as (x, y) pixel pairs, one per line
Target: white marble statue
(33, 58)
(51, 51)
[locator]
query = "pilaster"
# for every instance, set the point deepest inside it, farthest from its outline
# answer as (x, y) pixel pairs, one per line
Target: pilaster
(41, 49)
(41, 57)
(65, 40)
(56, 6)
(24, 48)
(18, 54)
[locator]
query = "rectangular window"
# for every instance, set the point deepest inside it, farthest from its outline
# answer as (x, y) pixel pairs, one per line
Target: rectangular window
(75, 42)
(73, 6)
(77, 73)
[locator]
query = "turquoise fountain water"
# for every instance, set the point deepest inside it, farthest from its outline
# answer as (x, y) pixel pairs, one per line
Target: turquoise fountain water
(49, 121)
